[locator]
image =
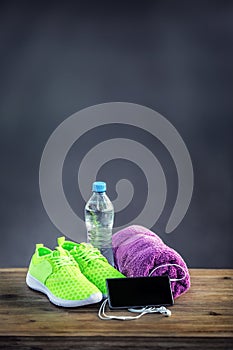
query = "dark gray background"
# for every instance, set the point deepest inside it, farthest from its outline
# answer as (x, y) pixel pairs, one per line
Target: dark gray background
(173, 56)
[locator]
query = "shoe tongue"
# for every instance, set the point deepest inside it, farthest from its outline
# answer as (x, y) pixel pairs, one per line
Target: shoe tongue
(60, 252)
(61, 241)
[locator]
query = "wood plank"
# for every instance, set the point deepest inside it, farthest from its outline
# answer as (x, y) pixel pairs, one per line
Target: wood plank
(115, 343)
(201, 317)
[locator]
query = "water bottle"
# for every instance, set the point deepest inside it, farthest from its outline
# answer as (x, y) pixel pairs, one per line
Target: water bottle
(99, 216)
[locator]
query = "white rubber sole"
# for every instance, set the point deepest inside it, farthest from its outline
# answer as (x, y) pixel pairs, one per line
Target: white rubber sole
(33, 283)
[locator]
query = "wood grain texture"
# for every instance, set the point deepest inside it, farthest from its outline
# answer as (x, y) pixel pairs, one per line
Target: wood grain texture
(203, 317)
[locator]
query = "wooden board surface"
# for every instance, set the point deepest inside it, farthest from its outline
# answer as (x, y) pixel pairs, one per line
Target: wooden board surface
(204, 314)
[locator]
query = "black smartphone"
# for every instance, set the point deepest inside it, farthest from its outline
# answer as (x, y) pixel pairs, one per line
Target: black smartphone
(139, 292)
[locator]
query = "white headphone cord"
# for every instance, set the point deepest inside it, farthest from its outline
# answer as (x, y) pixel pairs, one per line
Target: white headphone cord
(171, 279)
(103, 316)
(162, 309)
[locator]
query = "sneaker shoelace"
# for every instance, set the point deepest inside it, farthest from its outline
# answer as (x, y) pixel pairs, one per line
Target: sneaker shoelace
(88, 253)
(60, 261)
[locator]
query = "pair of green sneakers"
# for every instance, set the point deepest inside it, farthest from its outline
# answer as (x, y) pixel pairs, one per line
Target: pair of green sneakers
(74, 274)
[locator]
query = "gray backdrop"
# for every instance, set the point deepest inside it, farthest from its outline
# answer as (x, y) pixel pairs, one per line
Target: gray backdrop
(172, 56)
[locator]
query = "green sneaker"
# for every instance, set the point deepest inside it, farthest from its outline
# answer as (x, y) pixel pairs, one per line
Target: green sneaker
(57, 274)
(91, 262)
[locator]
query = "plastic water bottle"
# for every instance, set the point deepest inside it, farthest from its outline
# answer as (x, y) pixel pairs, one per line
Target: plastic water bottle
(99, 216)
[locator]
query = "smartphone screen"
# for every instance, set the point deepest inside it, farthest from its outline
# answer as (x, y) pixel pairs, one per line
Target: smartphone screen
(139, 291)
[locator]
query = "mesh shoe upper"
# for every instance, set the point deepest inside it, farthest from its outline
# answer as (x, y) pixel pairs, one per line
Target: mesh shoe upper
(91, 262)
(60, 273)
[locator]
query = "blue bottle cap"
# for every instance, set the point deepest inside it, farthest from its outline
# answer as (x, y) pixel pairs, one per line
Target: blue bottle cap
(99, 186)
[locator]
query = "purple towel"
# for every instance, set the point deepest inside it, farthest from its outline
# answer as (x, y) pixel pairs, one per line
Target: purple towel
(137, 251)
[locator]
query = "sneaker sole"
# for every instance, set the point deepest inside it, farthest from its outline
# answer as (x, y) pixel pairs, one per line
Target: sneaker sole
(33, 283)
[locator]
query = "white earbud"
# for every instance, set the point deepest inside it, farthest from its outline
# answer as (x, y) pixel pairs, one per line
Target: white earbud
(163, 310)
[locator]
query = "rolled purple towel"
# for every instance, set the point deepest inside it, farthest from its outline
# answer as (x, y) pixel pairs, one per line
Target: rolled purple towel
(139, 252)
